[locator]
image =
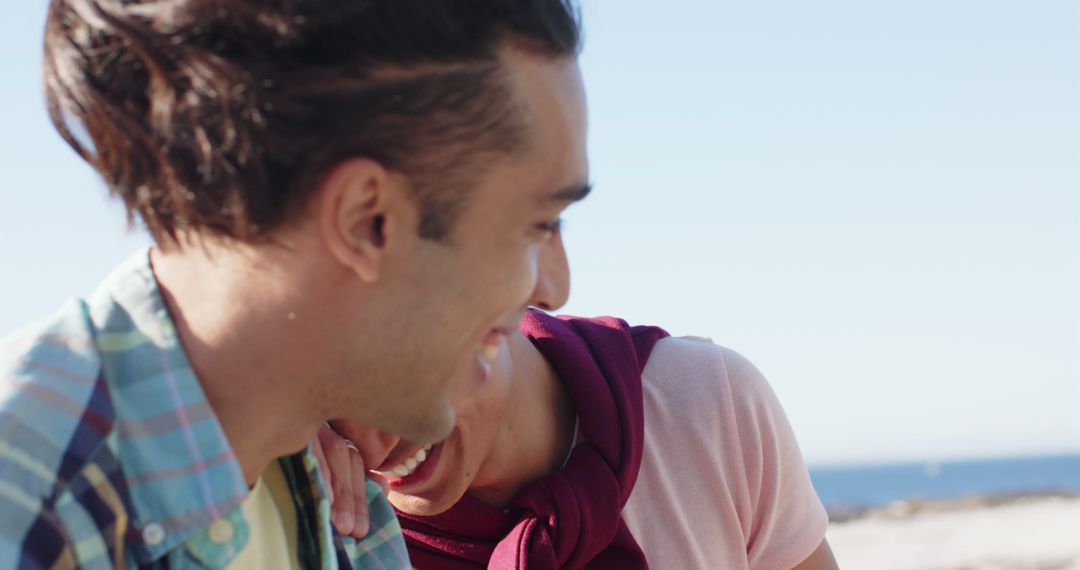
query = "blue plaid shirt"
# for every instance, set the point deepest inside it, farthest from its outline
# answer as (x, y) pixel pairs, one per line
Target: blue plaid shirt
(110, 455)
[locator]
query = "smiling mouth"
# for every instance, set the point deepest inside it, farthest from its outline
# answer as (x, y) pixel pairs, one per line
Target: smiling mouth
(415, 469)
(409, 466)
(418, 467)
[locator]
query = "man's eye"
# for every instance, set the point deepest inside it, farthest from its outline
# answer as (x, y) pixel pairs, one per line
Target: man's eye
(552, 227)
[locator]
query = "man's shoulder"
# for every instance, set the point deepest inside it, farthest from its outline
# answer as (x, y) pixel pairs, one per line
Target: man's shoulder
(51, 373)
(693, 403)
(54, 414)
(692, 367)
(693, 385)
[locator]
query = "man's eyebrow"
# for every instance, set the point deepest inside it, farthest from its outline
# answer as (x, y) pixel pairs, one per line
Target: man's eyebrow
(571, 194)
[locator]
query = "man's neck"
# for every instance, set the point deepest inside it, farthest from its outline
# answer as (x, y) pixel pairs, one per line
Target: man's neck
(229, 330)
(539, 428)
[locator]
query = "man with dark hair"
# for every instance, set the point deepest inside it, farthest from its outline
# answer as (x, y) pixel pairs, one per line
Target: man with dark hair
(353, 202)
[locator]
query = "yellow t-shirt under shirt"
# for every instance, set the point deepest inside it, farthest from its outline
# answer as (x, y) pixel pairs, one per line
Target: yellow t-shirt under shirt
(271, 519)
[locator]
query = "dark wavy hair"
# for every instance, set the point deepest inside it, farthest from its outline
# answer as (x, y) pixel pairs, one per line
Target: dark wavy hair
(222, 116)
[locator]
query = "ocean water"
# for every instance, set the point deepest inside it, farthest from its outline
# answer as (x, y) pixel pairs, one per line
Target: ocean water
(871, 486)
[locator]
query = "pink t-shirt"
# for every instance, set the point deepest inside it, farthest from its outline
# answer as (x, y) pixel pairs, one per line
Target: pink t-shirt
(722, 483)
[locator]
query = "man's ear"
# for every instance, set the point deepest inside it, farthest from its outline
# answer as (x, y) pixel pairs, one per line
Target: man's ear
(354, 201)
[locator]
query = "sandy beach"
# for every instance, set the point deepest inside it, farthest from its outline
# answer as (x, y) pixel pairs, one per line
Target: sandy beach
(1031, 533)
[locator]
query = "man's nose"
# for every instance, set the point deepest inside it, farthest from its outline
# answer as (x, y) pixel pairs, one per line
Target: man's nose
(553, 276)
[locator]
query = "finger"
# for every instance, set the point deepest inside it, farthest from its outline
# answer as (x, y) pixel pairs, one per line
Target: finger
(374, 445)
(324, 467)
(343, 505)
(381, 480)
(361, 523)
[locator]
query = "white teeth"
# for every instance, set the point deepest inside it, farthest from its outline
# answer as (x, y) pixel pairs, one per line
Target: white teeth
(409, 466)
(489, 352)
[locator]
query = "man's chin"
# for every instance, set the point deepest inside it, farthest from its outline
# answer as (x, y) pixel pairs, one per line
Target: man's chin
(419, 506)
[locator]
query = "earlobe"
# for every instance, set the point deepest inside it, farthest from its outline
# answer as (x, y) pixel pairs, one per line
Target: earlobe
(352, 215)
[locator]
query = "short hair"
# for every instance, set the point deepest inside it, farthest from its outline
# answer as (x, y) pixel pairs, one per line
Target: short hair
(222, 116)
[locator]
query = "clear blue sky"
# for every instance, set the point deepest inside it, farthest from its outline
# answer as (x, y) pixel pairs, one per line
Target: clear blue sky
(878, 203)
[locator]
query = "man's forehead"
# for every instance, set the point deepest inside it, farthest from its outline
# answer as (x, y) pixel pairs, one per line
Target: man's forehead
(553, 102)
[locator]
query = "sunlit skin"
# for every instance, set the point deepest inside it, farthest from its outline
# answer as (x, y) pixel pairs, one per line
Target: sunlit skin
(515, 429)
(347, 313)
(465, 460)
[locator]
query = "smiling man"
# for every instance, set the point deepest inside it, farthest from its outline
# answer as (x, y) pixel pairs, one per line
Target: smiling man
(353, 203)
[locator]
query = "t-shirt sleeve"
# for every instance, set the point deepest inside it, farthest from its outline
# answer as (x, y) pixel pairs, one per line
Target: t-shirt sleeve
(784, 521)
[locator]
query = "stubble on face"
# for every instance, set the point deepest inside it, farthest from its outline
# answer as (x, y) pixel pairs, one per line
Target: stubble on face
(439, 300)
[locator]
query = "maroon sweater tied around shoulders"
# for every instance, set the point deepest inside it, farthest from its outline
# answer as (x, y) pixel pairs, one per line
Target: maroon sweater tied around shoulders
(571, 518)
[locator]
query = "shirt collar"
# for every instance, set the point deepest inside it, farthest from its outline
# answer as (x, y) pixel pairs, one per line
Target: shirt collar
(181, 472)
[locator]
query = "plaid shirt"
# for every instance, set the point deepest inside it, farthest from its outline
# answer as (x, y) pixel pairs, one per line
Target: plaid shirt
(110, 455)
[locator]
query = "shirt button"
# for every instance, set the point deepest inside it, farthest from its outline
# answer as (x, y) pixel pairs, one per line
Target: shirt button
(221, 531)
(153, 534)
